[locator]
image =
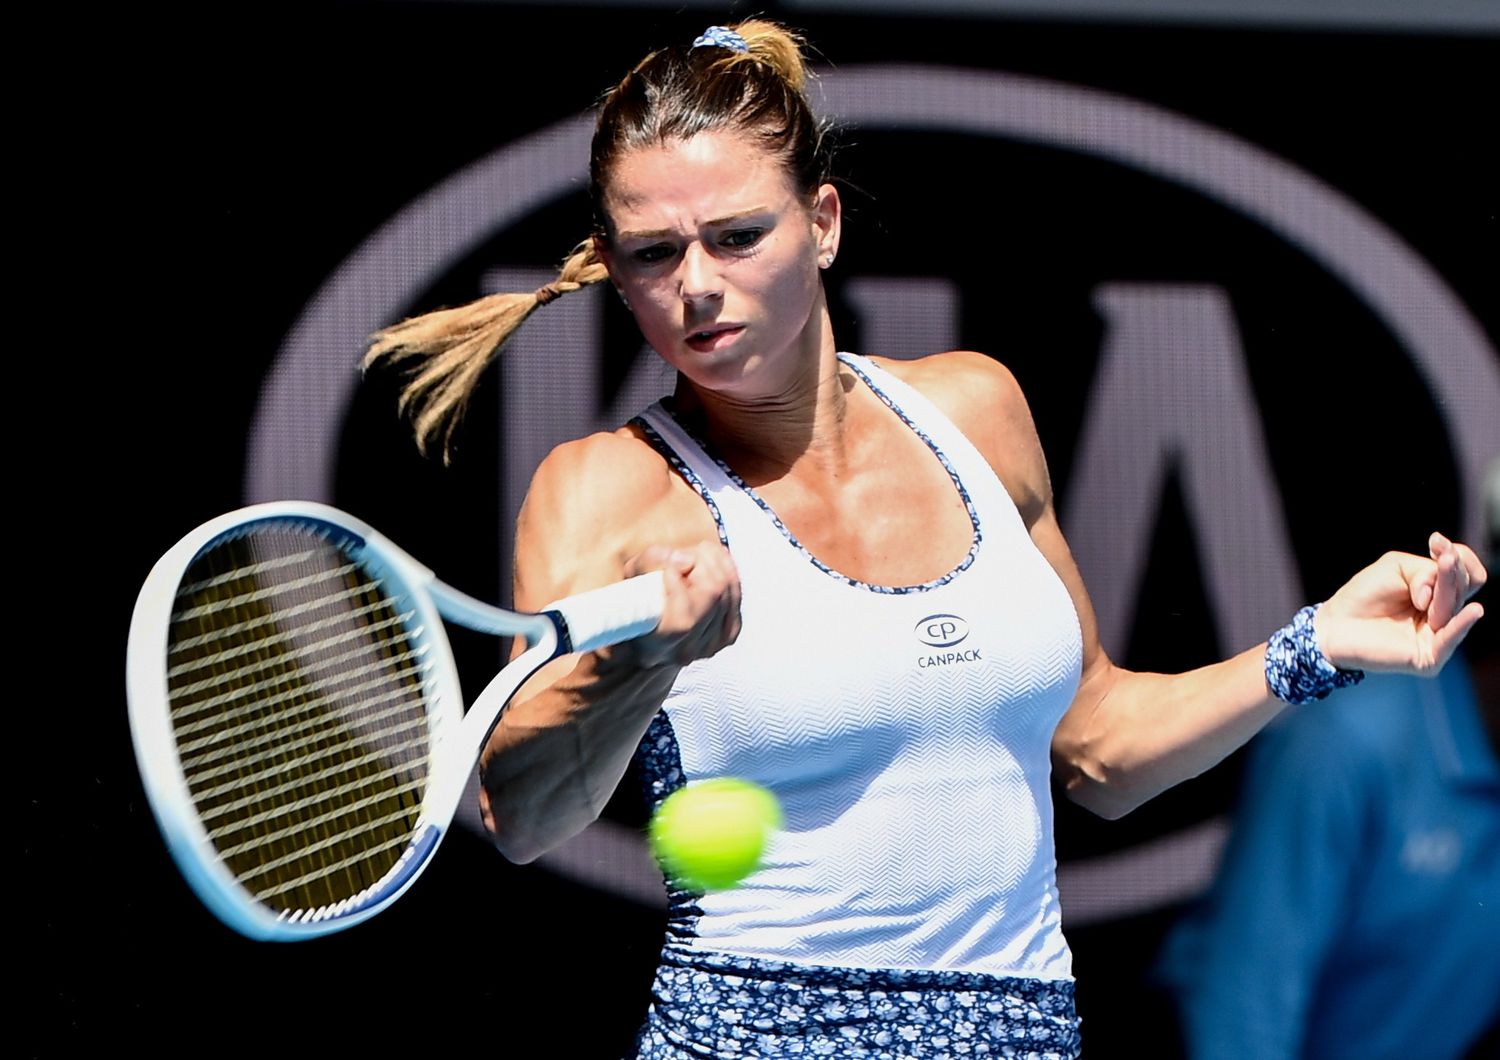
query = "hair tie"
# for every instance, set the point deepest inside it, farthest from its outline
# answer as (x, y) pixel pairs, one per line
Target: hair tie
(547, 293)
(721, 37)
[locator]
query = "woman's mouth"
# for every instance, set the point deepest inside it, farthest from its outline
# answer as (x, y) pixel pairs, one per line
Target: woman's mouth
(714, 338)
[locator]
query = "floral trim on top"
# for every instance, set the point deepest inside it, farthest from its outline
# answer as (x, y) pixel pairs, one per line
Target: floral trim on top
(722, 1005)
(660, 761)
(662, 446)
(896, 590)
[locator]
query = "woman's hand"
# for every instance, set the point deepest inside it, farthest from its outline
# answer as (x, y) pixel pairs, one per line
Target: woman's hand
(701, 610)
(1403, 612)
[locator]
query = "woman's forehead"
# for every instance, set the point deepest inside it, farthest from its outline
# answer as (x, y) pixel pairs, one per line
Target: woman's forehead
(698, 179)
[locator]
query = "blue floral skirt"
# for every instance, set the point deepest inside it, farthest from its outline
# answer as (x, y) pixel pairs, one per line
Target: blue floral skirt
(722, 1006)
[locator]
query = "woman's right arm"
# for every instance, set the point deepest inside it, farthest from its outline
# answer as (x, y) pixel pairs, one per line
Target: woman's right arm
(598, 510)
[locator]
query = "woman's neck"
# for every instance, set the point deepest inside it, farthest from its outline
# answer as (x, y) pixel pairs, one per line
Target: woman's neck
(803, 424)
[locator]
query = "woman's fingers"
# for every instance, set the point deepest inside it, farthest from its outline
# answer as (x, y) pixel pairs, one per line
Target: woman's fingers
(732, 620)
(1458, 576)
(1446, 598)
(1422, 583)
(701, 614)
(654, 557)
(1445, 641)
(1404, 612)
(1473, 570)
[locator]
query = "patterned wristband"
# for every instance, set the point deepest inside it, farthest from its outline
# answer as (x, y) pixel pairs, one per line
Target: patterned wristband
(1296, 668)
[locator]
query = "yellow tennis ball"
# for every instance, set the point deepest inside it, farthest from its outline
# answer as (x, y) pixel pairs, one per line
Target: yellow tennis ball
(710, 835)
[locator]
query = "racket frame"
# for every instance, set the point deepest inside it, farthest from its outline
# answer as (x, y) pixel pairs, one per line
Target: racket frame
(598, 618)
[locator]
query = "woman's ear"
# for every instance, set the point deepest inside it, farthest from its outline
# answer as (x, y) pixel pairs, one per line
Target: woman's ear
(601, 251)
(827, 222)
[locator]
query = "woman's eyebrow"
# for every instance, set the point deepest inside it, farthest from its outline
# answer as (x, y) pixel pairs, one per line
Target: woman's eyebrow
(657, 233)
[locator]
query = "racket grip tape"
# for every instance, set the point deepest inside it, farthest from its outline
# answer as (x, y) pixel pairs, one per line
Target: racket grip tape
(614, 613)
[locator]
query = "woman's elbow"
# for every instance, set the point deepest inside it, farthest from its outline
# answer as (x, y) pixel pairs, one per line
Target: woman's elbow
(1101, 800)
(1096, 783)
(520, 837)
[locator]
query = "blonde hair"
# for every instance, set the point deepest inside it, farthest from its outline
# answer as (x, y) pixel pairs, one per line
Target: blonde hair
(672, 94)
(443, 353)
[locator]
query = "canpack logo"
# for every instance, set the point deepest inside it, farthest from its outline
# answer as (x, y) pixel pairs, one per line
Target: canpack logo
(1164, 347)
(942, 631)
(945, 633)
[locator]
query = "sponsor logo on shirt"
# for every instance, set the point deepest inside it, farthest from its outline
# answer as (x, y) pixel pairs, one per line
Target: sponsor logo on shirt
(944, 631)
(1435, 852)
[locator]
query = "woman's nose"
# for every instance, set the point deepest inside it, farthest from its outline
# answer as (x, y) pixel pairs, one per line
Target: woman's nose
(699, 277)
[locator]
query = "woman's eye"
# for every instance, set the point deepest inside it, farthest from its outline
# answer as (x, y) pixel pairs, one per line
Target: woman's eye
(653, 254)
(742, 237)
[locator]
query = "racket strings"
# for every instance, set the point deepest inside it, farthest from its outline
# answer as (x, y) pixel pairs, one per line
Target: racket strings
(325, 869)
(294, 639)
(238, 595)
(301, 821)
(333, 869)
(218, 757)
(280, 762)
(299, 700)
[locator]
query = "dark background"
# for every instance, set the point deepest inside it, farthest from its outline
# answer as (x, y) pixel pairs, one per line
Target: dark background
(224, 160)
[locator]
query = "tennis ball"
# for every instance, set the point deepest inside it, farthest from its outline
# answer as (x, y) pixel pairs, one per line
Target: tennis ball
(710, 835)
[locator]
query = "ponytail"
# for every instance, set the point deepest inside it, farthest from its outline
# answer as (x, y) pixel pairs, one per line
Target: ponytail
(444, 353)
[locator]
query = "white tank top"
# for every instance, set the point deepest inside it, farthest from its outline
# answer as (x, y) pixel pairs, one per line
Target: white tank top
(905, 730)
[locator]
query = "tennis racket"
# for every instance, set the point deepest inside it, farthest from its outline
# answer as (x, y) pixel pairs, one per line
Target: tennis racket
(297, 715)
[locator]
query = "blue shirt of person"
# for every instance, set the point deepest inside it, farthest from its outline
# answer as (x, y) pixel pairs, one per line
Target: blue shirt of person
(1356, 911)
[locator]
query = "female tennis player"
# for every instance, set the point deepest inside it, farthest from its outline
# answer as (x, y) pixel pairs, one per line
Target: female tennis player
(870, 608)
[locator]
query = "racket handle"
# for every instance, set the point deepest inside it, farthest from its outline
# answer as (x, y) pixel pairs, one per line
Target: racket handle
(601, 617)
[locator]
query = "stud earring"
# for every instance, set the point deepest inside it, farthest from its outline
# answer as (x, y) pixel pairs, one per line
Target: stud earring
(827, 261)
(623, 300)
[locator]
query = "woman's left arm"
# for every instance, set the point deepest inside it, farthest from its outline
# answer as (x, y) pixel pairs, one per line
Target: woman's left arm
(1129, 736)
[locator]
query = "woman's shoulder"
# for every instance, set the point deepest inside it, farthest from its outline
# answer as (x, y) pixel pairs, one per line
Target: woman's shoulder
(983, 398)
(591, 505)
(615, 472)
(973, 389)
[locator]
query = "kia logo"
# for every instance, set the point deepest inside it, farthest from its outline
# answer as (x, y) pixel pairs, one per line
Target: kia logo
(942, 631)
(298, 428)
